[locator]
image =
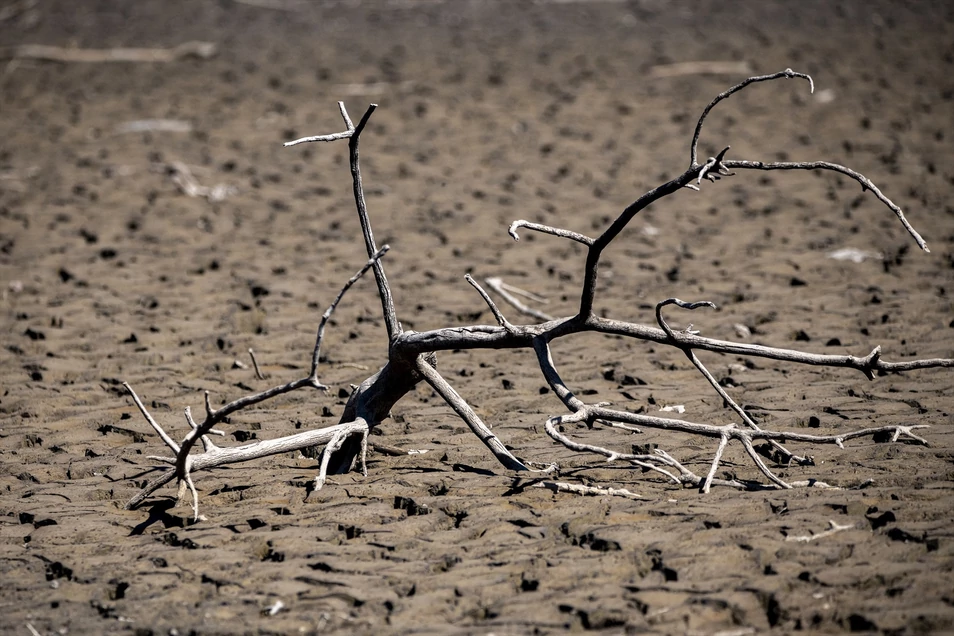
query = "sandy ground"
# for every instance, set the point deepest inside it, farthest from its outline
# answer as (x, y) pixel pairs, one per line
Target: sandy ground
(489, 111)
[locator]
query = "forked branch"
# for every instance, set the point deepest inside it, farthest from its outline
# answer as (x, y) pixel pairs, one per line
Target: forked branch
(412, 356)
(184, 463)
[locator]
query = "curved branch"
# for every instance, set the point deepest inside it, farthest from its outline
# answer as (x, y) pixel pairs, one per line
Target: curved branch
(726, 398)
(316, 353)
(643, 461)
(591, 269)
(787, 74)
(683, 305)
(552, 376)
(865, 182)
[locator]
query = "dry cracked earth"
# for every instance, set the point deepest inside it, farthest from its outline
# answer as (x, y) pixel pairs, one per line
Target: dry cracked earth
(114, 270)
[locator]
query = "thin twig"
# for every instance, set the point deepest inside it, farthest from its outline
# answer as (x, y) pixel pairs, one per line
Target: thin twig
(258, 371)
(787, 73)
(832, 529)
(155, 425)
(727, 399)
(325, 317)
(642, 461)
(505, 290)
(490, 303)
(723, 442)
(866, 184)
(546, 229)
(334, 444)
(679, 303)
(346, 134)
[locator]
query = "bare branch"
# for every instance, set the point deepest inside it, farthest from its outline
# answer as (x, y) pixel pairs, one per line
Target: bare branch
(508, 292)
(726, 398)
(202, 50)
(593, 491)
(345, 134)
(552, 376)
(316, 353)
(155, 425)
(384, 290)
(412, 358)
(207, 443)
(456, 402)
(248, 452)
(747, 444)
(490, 303)
(865, 182)
(787, 73)
(723, 442)
(334, 444)
(679, 303)
(643, 461)
(546, 229)
(258, 370)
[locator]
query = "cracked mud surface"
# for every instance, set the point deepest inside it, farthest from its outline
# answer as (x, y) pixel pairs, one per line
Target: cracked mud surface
(489, 112)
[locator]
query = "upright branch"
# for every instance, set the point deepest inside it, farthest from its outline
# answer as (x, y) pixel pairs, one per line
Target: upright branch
(384, 290)
(353, 134)
(412, 358)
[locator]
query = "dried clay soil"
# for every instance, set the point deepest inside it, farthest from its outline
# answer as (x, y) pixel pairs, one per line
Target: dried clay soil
(489, 112)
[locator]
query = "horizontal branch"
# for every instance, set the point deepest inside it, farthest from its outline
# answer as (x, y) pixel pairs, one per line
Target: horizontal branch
(220, 456)
(495, 337)
(596, 412)
(865, 182)
(201, 50)
(346, 134)
(546, 229)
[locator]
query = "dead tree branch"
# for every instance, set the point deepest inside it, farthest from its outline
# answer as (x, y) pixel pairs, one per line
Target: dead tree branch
(412, 357)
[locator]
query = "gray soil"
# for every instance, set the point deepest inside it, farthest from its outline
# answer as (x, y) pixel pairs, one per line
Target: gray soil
(489, 112)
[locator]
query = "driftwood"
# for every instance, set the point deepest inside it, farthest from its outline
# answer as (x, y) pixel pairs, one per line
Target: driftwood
(412, 358)
(201, 50)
